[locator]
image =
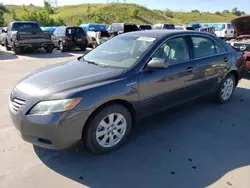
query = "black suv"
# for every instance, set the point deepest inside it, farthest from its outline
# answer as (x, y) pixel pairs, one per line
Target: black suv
(66, 38)
(119, 28)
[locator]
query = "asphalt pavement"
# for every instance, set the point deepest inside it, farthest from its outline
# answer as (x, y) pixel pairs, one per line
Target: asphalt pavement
(200, 144)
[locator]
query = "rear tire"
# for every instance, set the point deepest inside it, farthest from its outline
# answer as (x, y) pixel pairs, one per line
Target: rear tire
(17, 50)
(226, 89)
(49, 49)
(116, 129)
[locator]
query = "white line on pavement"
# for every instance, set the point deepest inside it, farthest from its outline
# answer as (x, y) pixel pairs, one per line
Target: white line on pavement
(8, 129)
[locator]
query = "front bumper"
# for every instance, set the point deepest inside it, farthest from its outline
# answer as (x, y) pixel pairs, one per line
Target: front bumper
(52, 131)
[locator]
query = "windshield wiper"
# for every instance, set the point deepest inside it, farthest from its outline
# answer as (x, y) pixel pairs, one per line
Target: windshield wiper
(94, 63)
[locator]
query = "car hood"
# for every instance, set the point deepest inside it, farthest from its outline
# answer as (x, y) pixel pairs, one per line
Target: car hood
(242, 25)
(65, 76)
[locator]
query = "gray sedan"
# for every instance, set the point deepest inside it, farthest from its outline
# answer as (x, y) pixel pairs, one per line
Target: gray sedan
(98, 97)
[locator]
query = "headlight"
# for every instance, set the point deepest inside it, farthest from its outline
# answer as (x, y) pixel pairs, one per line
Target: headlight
(46, 107)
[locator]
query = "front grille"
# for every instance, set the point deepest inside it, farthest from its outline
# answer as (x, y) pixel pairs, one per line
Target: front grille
(238, 45)
(16, 104)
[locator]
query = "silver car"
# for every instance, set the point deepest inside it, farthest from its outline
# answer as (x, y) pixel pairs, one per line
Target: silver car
(3, 32)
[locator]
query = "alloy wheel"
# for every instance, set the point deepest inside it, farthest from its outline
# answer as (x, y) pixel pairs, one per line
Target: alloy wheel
(111, 130)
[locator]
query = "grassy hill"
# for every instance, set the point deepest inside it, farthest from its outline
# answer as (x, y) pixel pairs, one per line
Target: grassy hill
(110, 13)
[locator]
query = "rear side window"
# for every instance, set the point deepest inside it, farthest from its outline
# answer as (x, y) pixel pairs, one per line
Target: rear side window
(219, 48)
(203, 47)
(130, 28)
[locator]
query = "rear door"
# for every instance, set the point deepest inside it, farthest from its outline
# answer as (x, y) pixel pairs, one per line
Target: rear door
(162, 88)
(55, 37)
(211, 59)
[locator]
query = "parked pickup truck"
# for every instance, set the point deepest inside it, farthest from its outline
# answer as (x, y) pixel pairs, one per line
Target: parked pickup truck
(241, 41)
(22, 35)
(96, 34)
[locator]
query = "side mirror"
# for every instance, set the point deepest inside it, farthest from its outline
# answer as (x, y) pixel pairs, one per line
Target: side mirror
(4, 31)
(157, 64)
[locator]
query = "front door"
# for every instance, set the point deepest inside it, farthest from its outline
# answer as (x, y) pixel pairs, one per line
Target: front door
(163, 88)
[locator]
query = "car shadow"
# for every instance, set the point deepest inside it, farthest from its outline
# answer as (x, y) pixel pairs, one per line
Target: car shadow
(193, 145)
(56, 53)
(7, 56)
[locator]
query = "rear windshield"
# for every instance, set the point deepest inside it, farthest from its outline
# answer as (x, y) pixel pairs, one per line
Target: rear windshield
(74, 31)
(130, 28)
(168, 26)
(26, 27)
(96, 27)
(145, 27)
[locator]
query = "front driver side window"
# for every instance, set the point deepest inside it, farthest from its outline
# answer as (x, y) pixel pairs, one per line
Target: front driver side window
(174, 51)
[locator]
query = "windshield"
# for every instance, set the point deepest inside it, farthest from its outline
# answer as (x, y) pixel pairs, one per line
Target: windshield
(96, 27)
(74, 31)
(121, 51)
(26, 27)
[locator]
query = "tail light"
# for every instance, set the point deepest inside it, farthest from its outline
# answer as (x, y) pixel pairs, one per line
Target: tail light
(99, 35)
(66, 38)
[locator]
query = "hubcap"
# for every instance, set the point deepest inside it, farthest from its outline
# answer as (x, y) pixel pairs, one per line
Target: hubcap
(111, 130)
(227, 89)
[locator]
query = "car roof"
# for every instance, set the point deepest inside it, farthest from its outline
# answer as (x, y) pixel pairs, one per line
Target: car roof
(25, 22)
(163, 33)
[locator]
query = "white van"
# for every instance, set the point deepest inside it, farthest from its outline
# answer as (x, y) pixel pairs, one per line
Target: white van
(222, 30)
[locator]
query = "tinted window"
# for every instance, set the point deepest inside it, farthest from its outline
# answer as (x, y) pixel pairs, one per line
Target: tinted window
(121, 51)
(203, 47)
(230, 26)
(130, 28)
(174, 50)
(74, 31)
(96, 27)
(219, 48)
(169, 26)
(26, 27)
(145, 27)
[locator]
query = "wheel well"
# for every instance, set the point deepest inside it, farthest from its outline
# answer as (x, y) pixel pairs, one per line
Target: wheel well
(124, 103)
(236, 76)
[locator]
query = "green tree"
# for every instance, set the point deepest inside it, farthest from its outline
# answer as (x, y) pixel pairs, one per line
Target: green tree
(225, 12)
(78, 21)
(48, 7)
(134, 13)
(24, 8)
(13, 15)
(195, 11)
(169, 13)
(236, 12)
(217, 13)
(88, 10)
(3, 8)
(1, 18)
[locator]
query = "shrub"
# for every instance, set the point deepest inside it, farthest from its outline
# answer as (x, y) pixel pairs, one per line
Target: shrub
(1, 18)
(225, 12)
(217, 13)
(134, 13)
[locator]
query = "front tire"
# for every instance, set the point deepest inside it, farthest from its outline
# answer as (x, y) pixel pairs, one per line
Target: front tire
(62, 47)
(226, 89)
(108, 129)
(7, 46)
(49, 49)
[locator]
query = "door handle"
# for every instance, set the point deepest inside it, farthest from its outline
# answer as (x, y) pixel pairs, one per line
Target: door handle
(190, 69)
(226, 59)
